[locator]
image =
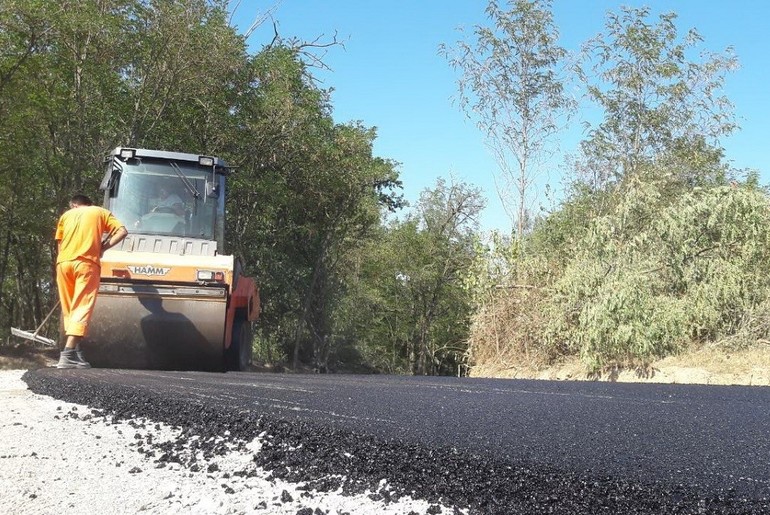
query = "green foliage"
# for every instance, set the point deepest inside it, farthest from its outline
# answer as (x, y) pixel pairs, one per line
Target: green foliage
(654, 93)
(657, 274)
(621, 317)
(405, 299)
(308, 191)
(266, 349)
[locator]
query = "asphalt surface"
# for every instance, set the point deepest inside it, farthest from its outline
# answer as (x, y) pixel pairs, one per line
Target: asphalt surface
(487, 446)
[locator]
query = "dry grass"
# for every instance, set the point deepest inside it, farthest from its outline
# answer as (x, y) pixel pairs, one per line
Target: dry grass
(504, 331)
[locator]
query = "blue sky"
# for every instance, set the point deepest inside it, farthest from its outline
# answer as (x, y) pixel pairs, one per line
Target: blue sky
(389, 75)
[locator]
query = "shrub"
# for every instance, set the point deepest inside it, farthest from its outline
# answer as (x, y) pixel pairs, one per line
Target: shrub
(658, 272)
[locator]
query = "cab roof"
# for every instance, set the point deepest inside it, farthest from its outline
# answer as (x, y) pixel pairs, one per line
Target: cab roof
(171, 156)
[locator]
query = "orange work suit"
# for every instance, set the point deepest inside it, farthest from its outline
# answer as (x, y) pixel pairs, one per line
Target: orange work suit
(78, 266)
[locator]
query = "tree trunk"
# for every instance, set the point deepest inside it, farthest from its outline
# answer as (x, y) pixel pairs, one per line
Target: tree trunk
(423, 347)
(306, 308)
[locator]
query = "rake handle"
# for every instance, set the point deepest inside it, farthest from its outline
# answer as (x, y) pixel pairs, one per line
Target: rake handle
(46, 318)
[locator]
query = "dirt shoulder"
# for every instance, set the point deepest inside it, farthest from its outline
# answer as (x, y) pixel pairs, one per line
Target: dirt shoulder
(703, 366)
(26, 356)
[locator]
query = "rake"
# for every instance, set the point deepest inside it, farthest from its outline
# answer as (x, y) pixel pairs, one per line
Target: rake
(34, 336)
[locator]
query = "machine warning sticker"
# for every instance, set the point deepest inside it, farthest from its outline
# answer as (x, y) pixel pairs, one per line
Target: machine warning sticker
(148, 270)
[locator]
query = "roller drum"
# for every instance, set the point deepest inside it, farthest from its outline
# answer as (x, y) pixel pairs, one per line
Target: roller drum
(159, 327)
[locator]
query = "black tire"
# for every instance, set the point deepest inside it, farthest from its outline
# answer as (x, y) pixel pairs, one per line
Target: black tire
(238, 356)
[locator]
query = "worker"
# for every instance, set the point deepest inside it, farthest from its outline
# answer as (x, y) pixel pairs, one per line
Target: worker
(169, 201)
(79, 235)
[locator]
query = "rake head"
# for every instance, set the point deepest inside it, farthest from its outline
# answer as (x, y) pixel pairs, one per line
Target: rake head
(28, 335)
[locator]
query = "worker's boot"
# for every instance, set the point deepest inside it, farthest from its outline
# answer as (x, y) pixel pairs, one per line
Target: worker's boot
(69, 358)
(80, 356)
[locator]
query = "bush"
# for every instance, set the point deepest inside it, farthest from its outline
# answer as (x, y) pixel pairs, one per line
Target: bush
(655, 274)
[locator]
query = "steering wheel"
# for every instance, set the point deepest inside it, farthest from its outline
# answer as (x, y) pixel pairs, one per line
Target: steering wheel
(164, 209)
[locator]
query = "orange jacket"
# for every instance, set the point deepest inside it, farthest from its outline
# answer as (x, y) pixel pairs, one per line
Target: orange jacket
(80, 231)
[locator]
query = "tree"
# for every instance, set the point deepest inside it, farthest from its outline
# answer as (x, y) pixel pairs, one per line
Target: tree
(406, 302)
(652, 251)
(656, 98)
(185, 68)
(24, 30)
(510, 86)
(308, 192)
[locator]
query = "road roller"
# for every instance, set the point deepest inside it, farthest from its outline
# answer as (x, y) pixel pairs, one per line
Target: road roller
(170, 297)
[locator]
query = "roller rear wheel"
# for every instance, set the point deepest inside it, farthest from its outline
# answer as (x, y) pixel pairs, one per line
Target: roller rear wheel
(238, 356)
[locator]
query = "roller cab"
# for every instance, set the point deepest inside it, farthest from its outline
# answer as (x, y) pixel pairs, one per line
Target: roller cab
(169, 298)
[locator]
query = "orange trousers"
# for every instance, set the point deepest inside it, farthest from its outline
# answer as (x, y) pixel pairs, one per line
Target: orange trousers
(78, 283)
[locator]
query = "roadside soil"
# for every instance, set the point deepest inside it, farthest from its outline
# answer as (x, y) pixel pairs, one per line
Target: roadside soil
(699, 366)
(26, 356)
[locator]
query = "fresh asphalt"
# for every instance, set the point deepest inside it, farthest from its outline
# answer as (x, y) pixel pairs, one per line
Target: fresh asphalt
(488, 446)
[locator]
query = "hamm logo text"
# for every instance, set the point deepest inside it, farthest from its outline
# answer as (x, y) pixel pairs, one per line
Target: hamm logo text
(148, 270)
